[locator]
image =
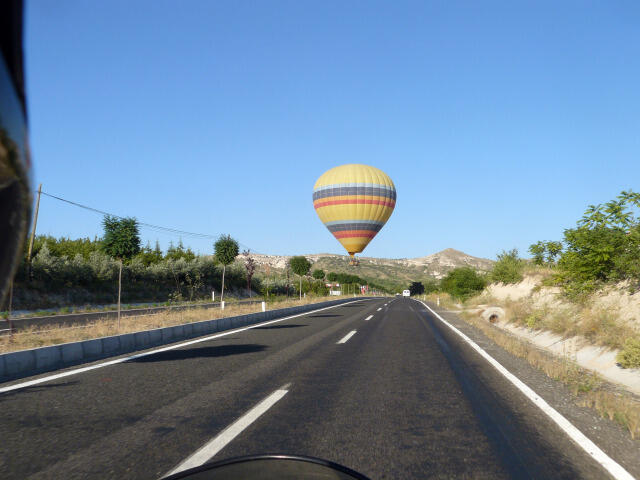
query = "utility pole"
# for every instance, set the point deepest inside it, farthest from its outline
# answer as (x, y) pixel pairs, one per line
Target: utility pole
(119, 288)
(33, 231)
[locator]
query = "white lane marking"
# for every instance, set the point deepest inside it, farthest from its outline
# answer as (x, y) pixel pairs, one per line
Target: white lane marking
(379, 309)
(368, 318)
(212, 447)
(158, 350)
(576, 435)
(346, 338)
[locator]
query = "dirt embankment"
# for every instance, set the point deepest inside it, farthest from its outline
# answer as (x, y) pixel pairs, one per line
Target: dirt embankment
(615, 299)
(592, 333)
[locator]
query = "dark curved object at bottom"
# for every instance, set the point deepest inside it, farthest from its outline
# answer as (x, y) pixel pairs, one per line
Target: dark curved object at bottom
(268, 467)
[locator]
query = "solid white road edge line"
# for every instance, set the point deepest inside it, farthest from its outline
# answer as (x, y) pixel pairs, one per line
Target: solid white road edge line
(576, 435)
(346, 338)
(211, 448)
(157, 350)
(368, 318)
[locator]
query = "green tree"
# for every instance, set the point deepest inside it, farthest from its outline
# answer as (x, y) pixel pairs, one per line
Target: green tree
(554, 249)
(318, 274)
(121, 237)
(178, 252)
(319, 288)
(462, 283)
(604, 246)
(538, 251)
(250, 267)
(508, 268)
(332, 276)
(225, 250)
(157, 252)
(300, 266)
(416, 288)
(431, 286)
(545, 253)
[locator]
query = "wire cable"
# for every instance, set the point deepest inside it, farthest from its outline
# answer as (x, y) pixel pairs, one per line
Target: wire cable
(156, 228)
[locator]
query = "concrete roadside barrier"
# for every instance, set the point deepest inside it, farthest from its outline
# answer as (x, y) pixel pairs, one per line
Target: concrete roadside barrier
(25, 363)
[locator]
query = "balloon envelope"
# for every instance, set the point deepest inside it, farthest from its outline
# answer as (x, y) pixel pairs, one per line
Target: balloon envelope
(354, 202)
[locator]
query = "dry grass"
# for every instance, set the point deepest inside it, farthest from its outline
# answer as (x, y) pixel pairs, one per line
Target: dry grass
(601, 326)
(44, 336)
(587, 387)
(446, 300)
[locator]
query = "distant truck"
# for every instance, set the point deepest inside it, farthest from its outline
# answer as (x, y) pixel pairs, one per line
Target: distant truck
(406, 293)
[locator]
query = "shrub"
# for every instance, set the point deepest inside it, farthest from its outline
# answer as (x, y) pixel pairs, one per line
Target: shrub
(604, 246)
(416, 288)
(319, 288)
(629, 356)
(462, 283)
(508, 268)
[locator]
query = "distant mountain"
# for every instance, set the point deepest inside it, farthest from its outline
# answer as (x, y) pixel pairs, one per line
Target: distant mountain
(433, 266)
(438, 264)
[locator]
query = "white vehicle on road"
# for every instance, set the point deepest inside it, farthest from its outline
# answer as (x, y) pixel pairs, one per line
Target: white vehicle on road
(406, 293)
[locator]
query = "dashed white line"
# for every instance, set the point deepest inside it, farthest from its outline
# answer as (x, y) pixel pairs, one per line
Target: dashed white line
(576, 435)
(55, 376)
(379, 309)
(346, 338)
(211, 448)
(368, 318)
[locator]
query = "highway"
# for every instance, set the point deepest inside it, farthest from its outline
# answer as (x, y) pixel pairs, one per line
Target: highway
(378, 385)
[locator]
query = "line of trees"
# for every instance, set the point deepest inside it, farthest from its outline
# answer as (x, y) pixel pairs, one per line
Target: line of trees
(65, 271)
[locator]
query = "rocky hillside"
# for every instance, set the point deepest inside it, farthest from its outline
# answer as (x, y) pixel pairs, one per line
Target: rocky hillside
(433, 266)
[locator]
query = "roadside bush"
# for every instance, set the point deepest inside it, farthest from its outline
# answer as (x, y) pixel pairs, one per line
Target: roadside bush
(604, 247)
(319, 288)
(416, 288)
(60, 280)
(629, 356)
(462, 283)
(508, 268)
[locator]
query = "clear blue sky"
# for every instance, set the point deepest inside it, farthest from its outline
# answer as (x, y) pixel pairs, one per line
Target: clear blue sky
(499, 122)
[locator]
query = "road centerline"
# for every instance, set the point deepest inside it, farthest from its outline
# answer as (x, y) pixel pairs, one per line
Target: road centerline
(346, 338)
(212, 447)
(75, 371)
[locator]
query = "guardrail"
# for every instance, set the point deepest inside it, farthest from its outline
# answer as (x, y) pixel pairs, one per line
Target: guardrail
(25, 363)
(68, 319)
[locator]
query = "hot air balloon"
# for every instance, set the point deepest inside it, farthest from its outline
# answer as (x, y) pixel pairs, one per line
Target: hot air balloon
(354, 202)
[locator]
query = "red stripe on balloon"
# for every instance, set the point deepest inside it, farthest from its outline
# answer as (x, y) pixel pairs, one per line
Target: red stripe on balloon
(354, 202)
(355, 233)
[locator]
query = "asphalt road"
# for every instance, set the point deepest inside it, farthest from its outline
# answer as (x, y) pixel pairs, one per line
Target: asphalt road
(400, 398)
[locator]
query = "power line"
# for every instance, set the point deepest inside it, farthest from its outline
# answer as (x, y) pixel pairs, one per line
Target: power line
(156, 228)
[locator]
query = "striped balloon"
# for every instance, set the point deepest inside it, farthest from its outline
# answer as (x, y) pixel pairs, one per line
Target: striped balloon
(354, 202)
